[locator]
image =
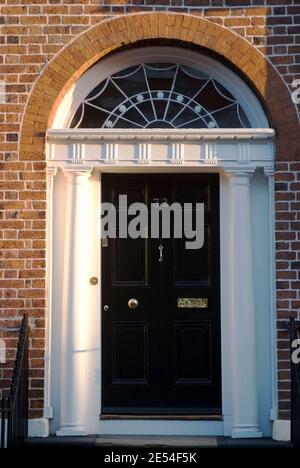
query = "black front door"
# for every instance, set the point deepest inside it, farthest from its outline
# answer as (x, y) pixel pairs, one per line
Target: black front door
(162, 357)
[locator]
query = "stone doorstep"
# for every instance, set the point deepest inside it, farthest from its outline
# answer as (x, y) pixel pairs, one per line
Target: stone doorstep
(134, 441)
(156, 441)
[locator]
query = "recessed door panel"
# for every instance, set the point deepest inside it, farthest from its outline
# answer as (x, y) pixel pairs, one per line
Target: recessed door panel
(192, 266)
(193, 352)
(130, 352)
(129, 261)
(193, 194)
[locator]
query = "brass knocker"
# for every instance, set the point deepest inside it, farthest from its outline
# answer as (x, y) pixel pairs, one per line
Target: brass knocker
(161, 248)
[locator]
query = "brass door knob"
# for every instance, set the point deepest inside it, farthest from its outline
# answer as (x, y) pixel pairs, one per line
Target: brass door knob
(133, 303)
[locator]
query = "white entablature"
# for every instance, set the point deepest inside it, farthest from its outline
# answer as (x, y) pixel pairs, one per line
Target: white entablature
(220, 148)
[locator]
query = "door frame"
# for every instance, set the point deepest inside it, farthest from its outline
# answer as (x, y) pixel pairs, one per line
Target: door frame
(66, 154)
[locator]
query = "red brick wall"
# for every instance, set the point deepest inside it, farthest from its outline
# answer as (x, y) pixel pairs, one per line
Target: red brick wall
(288, 267)
(32, 32)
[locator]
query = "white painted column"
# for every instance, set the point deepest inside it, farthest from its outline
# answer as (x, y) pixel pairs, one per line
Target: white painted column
(244, 389)
(74, 314)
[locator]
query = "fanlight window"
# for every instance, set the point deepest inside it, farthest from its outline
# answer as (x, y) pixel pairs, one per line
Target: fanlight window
(160, 95)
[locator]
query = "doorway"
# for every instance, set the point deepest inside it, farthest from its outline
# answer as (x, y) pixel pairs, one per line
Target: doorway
(161, 305)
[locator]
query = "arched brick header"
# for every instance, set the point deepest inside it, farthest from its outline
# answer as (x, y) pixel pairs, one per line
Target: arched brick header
(114, 33)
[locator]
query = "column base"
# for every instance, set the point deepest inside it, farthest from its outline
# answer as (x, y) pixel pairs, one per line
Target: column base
(282, 430)
(246, 432)
(38, 427)
(71, 431)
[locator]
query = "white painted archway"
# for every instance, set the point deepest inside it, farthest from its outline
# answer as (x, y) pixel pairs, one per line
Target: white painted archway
(244, 158)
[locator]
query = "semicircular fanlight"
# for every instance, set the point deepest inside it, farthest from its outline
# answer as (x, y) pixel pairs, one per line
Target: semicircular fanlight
(160, 95)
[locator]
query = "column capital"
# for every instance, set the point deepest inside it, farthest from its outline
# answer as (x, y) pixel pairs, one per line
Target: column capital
(239, 176)
(77, 169)
(239, 171)
(51, 171)
(77, 172)
(269, 171)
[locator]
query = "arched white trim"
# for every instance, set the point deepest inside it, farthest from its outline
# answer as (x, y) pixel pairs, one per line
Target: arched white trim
(122, 60)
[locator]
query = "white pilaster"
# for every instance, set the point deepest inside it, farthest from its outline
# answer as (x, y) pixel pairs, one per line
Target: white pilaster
(269, 173)
(73, 353)
(243, 358)
(51, 173)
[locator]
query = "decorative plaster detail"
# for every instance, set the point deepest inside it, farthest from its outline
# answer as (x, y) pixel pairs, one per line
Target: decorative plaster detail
(269, 171)
(177, 153)
(51, 172)
(243, 153)
(210, 154)
(143, 151)
(77, 153)
(237, 149)
(111, 153)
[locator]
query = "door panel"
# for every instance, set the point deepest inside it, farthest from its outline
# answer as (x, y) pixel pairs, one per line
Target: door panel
(192, 266)
(161, 358)
(130, 340)
(129, 262)
(192, 344)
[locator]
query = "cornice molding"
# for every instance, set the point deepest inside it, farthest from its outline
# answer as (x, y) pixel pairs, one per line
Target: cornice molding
(244, 149)
(119, 135)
